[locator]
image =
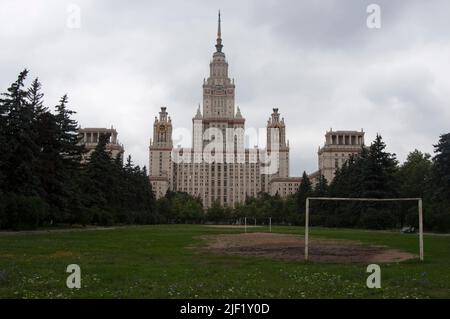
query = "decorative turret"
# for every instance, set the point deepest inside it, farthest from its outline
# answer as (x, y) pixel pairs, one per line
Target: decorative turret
(238, 113)
(162, 130)
(276, 143)
(198, 115)
(275, 123)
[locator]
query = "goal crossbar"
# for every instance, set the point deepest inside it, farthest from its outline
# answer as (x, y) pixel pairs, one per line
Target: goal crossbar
(419, 204)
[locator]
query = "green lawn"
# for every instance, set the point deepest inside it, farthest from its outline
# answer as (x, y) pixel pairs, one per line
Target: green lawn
(155, 262)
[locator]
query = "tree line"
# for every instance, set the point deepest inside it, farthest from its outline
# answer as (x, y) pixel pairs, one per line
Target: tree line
(376, 173)
(44, 182)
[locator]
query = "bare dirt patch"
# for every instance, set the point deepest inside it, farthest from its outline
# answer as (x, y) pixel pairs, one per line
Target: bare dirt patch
(63, 253)
(291, 247)
(233, 226)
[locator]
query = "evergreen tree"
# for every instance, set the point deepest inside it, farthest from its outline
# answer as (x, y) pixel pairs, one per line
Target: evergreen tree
(45, 134)
(98, 175)
(304, 191)
(18, 146)
(438, 207)
(67, 164)
(35, 99)
(70, 148)
(378, 172)
(441, 169)
(414, 177)
(414, 174)
(321, 188)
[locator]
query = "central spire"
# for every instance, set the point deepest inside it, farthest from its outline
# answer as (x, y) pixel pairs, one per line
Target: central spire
(219, 45)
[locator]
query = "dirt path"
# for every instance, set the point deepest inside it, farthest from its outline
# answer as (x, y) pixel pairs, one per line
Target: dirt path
(291, 247)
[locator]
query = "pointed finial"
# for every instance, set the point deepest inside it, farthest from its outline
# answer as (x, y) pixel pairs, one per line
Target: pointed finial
(219, 45)
(238, 113)
(219, 32)
(199, 113)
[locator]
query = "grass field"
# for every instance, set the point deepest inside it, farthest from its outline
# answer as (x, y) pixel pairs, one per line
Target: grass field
(156, 262)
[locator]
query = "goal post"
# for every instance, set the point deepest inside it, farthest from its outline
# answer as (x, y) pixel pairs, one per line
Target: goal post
(419, 206)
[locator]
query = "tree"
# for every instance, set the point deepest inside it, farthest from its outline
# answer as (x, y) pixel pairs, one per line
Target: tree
(18, 146)
(321, 188)
(372, 174)
(413, 175)
(378, 172)
(439, 205)
(216, 213)
(68, 200)
(98, 176)
(441, 168)
(70, 148)
(35, 99)
(304, 191)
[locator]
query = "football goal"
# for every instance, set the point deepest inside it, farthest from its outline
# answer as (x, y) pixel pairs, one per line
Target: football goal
(419, 206)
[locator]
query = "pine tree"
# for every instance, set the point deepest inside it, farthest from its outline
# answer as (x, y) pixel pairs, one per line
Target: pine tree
(378, 172)
(438, 205)
(98, 176)
(70, 153)
(35, 99)
(45, 137)
(70, 149)
(304, 191)
(18, 146)
(441, 169)
(321, 188)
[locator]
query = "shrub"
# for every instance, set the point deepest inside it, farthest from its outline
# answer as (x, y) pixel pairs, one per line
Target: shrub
(101, 217)
(21, 212)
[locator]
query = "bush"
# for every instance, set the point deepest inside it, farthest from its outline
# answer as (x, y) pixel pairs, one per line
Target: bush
(437, 219)
(19, 212)
(100, 216)
(3, 218)
(377, 219)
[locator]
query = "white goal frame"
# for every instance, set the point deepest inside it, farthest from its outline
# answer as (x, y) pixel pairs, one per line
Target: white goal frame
(419, 204)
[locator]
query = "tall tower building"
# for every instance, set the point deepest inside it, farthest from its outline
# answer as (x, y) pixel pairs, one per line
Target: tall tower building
(218, 88)
(276, 138)
(233, 173)
(160, 166)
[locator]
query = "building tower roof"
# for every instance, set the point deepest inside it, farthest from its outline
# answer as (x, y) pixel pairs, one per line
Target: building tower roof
(219, 45)
(198, 116)
(238, 113)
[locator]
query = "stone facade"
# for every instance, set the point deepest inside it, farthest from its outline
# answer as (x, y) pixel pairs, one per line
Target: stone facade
(232, 174)
(160, 166)
(229, 175)
(337, 149)
(91, 136)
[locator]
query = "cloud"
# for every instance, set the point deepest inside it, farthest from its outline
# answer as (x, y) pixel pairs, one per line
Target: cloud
(316, 61)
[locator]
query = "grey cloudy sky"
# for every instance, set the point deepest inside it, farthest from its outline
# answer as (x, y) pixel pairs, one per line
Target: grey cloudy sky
(315, 60)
